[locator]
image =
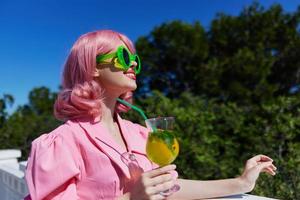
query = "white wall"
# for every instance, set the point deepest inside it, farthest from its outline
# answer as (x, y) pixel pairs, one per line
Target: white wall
(12, 183)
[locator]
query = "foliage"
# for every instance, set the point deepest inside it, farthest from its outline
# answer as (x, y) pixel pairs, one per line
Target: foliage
(217, 138)
(6, 100)
(247, 58)
(29, 121)
(170, 54)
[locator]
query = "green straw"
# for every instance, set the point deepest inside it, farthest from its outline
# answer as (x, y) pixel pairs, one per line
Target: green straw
(136, 109)
(133, 107)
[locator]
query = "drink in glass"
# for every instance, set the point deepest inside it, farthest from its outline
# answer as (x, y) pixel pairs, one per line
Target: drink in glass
(162, 145)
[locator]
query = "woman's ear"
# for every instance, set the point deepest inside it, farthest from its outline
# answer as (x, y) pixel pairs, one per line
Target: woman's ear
(96, 73)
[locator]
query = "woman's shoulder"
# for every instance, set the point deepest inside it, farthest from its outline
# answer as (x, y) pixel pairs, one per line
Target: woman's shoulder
(52, 162)
(60, 131)
(61, 137)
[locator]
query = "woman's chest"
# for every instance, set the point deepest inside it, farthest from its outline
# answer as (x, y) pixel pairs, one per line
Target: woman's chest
(104, 177)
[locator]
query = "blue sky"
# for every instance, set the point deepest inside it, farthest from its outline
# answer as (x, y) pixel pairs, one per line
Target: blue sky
(36, 36)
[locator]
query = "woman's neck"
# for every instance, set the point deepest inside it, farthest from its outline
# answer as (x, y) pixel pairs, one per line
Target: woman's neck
(108, 109)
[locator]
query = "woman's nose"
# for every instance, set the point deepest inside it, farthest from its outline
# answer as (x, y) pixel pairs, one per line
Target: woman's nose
(133, 64)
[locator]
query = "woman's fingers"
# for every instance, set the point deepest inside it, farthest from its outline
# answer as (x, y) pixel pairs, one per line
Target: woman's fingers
(159, 188)
(156, 177)
(164, 186)
(159, 171)
(151, 183)
(260, 158)
(264, 165)
(267, 167)
(160, 179)
(273, 167)
(269, 170)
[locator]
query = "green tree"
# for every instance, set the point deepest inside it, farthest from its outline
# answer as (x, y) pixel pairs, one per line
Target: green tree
(174, 56)
(41, 100)
(29, 121)
(256, 52)
(6, 100)
(247, 58)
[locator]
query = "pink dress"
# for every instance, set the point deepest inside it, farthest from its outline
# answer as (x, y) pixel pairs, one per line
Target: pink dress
(80, 160)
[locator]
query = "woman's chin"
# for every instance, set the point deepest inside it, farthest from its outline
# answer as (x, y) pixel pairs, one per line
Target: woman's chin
(130, 87)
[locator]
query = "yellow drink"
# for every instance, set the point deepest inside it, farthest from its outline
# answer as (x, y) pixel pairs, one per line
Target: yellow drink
(162, 147)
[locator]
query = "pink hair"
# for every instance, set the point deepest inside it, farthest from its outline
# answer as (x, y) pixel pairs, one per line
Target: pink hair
(81, 96)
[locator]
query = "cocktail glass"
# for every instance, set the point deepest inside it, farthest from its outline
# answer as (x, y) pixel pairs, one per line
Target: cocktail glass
(162, 145)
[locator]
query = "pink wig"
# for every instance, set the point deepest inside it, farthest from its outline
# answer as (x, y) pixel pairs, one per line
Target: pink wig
(81, 96)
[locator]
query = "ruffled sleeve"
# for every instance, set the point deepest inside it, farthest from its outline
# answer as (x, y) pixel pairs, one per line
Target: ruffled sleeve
(52, 169)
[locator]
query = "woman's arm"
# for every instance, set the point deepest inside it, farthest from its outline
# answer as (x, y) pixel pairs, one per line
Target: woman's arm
(195, 189)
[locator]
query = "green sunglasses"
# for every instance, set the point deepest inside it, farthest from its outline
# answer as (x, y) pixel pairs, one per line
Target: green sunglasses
(123, 59)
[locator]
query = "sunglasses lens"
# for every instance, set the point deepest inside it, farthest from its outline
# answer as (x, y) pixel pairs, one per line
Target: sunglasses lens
(126, 57)
(138, 64)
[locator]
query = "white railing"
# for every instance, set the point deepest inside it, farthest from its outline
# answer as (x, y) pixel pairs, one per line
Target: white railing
(12, 183)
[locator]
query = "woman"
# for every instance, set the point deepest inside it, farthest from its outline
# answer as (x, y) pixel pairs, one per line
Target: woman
(97, 155)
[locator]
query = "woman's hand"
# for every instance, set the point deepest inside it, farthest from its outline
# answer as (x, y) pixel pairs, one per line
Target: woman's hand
(253, 168)
(150, 183)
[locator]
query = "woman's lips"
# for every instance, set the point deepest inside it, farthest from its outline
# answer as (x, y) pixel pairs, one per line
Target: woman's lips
(131, 76)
